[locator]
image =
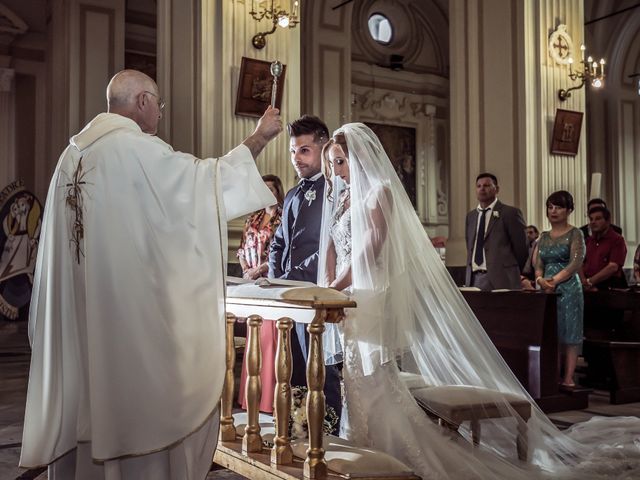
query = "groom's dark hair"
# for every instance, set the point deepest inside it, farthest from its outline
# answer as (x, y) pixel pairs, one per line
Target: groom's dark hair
(309, 125)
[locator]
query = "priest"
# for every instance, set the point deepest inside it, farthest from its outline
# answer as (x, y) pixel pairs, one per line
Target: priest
(127, 313)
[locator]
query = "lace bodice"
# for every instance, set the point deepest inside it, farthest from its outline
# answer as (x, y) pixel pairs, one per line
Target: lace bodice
(341, 234)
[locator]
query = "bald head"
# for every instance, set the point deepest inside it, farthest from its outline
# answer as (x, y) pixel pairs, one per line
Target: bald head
(126, 85)
(135, 95)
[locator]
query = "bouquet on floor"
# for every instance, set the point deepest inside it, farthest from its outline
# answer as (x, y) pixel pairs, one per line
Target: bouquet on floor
(298, 425)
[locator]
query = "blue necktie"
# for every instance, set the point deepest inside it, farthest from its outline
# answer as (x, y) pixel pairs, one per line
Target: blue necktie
(479, 256)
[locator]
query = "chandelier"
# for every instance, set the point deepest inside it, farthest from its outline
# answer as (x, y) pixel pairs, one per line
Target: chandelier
(588, 71)
(276, 14)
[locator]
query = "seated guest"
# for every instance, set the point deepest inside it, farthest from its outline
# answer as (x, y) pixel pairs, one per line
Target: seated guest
(636, 266)
(253, 254)
(597, 202)
(606, 252)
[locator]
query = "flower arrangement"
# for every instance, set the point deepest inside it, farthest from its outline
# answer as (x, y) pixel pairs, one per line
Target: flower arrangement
(496, 214)
(298, 425)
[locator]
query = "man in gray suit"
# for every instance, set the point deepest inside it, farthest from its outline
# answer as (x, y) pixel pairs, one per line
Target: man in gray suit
(496, 240)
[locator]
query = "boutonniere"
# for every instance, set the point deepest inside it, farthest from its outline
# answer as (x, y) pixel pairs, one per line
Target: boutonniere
(310, 196)
(495, 214)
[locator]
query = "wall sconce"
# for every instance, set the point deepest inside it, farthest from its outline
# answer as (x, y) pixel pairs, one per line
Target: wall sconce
(279, 17)
(589, 70)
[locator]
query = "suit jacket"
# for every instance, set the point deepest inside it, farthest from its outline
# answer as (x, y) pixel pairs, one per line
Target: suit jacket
(294, 250)
(505, 245)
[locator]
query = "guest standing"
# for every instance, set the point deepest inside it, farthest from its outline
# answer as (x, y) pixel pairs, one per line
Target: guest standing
(496, 241)
(253, 254)
(597, 202)
(606, 252)
(560, 256)
(528, 275)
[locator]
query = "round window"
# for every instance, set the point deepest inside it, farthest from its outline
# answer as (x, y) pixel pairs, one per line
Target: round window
(380, 29)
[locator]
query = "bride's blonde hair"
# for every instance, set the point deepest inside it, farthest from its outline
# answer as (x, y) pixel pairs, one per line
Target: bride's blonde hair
(339, 140)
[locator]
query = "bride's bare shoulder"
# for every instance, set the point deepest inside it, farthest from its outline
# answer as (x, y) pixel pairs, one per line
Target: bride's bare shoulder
(380, 195)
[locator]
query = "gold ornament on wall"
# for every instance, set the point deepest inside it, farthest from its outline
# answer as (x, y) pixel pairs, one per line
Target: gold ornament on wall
(561, 45)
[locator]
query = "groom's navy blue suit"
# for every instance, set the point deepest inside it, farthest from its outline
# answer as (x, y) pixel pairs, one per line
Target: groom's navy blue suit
(294, 256)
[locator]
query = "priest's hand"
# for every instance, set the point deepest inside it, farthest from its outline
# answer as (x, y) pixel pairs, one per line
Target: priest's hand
(269, 126)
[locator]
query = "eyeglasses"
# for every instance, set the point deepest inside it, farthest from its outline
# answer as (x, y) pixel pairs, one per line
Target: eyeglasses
(161, 102)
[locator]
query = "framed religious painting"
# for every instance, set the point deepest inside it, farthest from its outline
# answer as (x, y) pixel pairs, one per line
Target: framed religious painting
(400, 145)
(565, 139)
(255, 86)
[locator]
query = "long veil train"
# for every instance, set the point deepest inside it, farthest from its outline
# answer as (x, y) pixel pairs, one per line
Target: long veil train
(412, 317)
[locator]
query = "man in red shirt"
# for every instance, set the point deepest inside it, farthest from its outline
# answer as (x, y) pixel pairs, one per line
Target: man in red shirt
(606, 252)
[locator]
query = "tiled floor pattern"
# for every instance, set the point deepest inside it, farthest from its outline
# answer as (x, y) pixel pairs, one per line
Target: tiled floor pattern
(14, 367)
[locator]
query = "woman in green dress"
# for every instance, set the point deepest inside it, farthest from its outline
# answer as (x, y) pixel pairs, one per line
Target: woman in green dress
(560, 255)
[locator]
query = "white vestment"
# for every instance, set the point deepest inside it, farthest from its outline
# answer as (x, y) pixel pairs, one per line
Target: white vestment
(127, 312)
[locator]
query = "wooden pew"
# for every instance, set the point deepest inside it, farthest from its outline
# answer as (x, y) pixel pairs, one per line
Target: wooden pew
(244, 451)
(523, 327)
(612, 343)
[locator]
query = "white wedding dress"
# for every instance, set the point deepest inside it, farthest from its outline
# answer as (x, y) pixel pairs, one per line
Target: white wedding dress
(411, 317)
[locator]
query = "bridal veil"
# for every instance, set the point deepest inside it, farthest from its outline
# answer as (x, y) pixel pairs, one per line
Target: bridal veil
(412, 317)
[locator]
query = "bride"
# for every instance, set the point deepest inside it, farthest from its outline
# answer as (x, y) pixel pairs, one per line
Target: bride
(411, 318)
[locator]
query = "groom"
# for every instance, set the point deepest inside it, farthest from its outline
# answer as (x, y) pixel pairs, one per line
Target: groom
(294, 250)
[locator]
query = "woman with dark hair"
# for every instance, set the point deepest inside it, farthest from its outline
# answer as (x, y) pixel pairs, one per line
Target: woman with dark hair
(258, 232)
(560, 255)
(253, 254)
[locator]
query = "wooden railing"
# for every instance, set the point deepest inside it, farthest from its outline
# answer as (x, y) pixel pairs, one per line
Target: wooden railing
(313, 306)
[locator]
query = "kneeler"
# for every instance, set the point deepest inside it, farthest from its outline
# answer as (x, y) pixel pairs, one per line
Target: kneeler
(451, 405)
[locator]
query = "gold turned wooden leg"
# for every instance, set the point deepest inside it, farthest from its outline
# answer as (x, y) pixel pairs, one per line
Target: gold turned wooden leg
(227, 428)
(281, 453)
(252, 441)
(315, 466)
